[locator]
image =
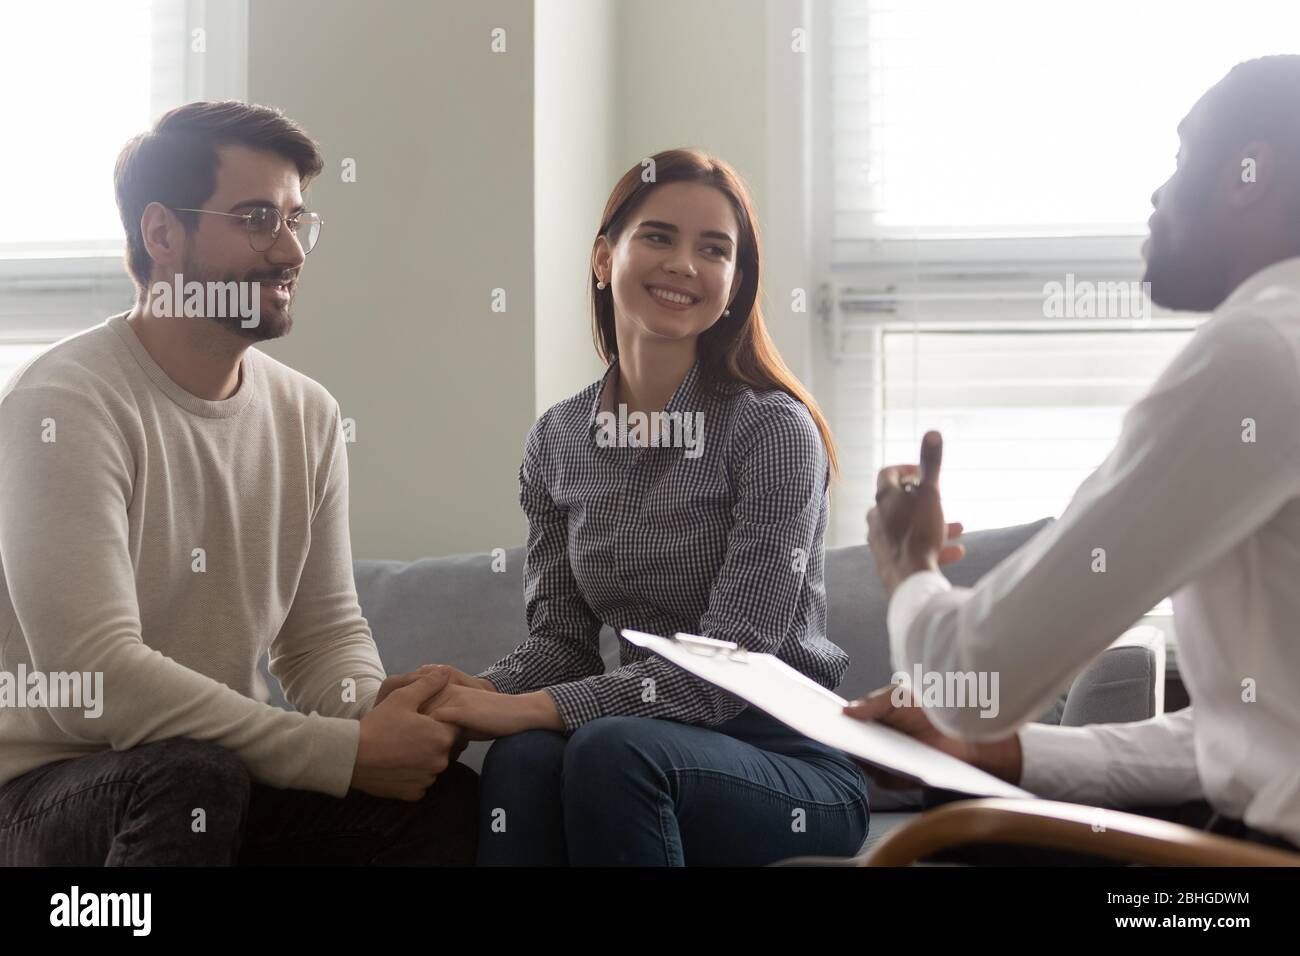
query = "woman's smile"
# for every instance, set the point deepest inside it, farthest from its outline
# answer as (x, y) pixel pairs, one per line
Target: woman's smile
(670, 299)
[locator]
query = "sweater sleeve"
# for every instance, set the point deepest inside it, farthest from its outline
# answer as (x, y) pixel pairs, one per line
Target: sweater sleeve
(66, 481)
(325, 656)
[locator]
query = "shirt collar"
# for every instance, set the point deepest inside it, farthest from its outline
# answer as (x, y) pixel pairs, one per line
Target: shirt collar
(1284, 274)
(605, 392)
(685, 398)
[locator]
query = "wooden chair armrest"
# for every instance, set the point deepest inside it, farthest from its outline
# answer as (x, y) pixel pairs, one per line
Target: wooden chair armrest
(1067, 826)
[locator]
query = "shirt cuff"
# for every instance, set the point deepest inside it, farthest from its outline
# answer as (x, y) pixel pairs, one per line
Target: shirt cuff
(499, 678)
(908, 600)
(1063, 763)
(577, 703)
(333, 755)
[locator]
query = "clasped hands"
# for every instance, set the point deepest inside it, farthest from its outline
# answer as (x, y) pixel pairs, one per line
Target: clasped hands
(423, 720)
(473, 705)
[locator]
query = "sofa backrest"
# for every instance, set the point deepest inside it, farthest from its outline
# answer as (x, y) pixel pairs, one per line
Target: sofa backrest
(856, 601)
(468, 610)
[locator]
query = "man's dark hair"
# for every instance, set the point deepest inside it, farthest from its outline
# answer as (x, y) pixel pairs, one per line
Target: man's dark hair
(175, 163)
(1258, 100)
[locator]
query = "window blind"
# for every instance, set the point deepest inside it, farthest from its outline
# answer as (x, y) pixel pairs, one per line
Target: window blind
(980, 152)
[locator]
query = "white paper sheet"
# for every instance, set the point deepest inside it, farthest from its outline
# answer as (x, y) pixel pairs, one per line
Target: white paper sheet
(776, 688)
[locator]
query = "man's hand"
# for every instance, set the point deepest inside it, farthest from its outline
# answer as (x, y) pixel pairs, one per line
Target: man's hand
(453, 675)
(1002, 758)
(486, 716)
(401, 751)
(906, 530)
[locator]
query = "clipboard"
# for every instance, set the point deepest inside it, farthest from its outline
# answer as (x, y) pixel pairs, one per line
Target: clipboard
(774, 687)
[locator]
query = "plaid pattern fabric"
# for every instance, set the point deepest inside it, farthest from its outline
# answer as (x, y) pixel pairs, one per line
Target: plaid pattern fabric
(726, 543)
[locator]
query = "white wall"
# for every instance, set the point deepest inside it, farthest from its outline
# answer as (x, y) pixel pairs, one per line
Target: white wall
(394, 311)
(479, 171)
(573, 151)
(721, 76)
(618, 81)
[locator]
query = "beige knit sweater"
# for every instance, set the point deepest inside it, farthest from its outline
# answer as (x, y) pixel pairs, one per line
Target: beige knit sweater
(165, 542)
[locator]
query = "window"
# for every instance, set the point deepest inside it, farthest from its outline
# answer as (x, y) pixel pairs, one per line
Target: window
(1021, 118)
(979, 152)
(93, 95)
(95, 74)
(1030, 411)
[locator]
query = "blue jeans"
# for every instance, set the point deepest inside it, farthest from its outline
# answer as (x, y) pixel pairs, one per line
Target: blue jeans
(137, 807)
(644, 792)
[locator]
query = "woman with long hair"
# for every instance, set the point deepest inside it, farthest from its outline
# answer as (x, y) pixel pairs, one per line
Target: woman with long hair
(686, 491)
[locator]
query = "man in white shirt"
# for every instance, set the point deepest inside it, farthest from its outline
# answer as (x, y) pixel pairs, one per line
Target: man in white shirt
(1200, 499)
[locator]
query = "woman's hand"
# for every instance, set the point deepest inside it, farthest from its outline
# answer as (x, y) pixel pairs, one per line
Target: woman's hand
(485, 715)
(894, 707)
(453, 675)
(397, 681)
(457, 676)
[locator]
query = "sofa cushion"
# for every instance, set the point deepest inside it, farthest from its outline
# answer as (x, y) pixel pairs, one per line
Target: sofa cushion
(856, 606)
(856, 601)
(468, 610)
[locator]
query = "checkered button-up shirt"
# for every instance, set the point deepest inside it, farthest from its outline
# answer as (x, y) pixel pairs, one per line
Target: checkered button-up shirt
(722, 538)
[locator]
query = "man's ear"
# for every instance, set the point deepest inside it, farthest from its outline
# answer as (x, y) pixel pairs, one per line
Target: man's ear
(164, 237)
(1256, 175)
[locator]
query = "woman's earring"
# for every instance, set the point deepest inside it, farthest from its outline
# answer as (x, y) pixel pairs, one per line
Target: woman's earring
(726, 312)
(600, 285)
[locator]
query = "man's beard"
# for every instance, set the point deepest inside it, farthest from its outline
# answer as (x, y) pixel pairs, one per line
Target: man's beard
(273, 322)
(1185, 279)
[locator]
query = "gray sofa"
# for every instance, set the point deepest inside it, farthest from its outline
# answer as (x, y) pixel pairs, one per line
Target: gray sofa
(459, 610)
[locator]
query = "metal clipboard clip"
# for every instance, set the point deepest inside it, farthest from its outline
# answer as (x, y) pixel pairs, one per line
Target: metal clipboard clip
(710, 647)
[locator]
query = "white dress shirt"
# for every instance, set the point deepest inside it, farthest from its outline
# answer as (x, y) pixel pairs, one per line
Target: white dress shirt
(1186, 504)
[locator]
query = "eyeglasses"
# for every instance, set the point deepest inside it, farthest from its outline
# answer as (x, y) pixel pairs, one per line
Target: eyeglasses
(263, 226)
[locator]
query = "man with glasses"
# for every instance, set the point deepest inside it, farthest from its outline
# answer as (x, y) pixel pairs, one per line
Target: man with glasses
(173, 505)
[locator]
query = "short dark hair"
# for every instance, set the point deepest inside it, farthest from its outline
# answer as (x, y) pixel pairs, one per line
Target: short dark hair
(1258, 100)
(175, 163)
